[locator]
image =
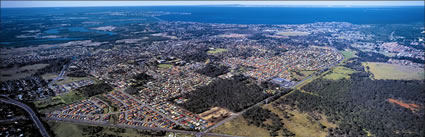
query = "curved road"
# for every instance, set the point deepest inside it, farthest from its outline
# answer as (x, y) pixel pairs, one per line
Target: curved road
(31, 113)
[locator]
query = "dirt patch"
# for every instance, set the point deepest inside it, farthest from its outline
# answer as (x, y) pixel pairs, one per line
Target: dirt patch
(412, 107)
(215, 115)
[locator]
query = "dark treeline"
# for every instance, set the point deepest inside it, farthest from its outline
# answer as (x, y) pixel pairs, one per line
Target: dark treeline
(234, 94)
(55, 65)
(360, 104)
(213, 70)
(95, 89)
(371, 56)
(415, 60)
(99, 131)
(141, 79)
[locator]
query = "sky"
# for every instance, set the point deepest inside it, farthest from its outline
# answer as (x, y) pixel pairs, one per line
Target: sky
(9, 4)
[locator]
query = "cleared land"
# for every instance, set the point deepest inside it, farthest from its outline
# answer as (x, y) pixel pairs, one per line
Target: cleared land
(58, 101)
(66, 129)
(67, 80)
(216, 51)
(233, 35)
(394, 71)
(165, 65)
(411, 106)
(294, 33)
(338, 73)
(49, 76)
(301, 124)
(20, 72)
(215, 114)
(348, 54)
(302, 74)
(239, 127)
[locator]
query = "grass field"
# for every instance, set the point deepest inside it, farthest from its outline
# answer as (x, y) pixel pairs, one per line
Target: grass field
(17, 72)
(67, 80)
(338, 73)
(44, 103)
(62, 129)
(216, 51)
(306, 73)
(71, 97)
(348, 54)
(394, 71)
(239, 127)
(49, 76)
(53, 103)
(165, 65)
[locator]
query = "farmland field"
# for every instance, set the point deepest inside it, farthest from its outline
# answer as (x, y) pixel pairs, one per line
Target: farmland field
(394, 71)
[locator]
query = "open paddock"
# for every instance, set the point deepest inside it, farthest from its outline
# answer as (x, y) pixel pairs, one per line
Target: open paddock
(394, 71)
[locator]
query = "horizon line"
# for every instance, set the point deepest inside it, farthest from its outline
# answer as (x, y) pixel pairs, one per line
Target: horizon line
(224, 5)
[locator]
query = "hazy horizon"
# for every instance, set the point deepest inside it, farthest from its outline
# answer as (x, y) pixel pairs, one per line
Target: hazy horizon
(29, 4)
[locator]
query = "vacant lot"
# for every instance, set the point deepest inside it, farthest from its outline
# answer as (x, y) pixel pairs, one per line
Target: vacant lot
(53, 103)
(66, 129)
(338, 73)
(301, 124)
(67, 80)
(394, 71)
(165, 65)
(348, 54)
(233, 35)
(239, 127)
(294, 33)
(20, 72)
(216, 51)
(49, 76)
(215, 114)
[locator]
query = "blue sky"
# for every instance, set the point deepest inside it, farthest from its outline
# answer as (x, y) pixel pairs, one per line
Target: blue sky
(5, 4)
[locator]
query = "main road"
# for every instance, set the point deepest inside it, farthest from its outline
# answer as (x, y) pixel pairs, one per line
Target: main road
(30, 112)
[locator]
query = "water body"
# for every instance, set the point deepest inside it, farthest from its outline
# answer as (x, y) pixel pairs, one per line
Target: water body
(252, 15)
(297, 15)
(203, 14)
(76, 29)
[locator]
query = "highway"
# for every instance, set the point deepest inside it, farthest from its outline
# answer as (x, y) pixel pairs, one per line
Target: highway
(30, 112)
